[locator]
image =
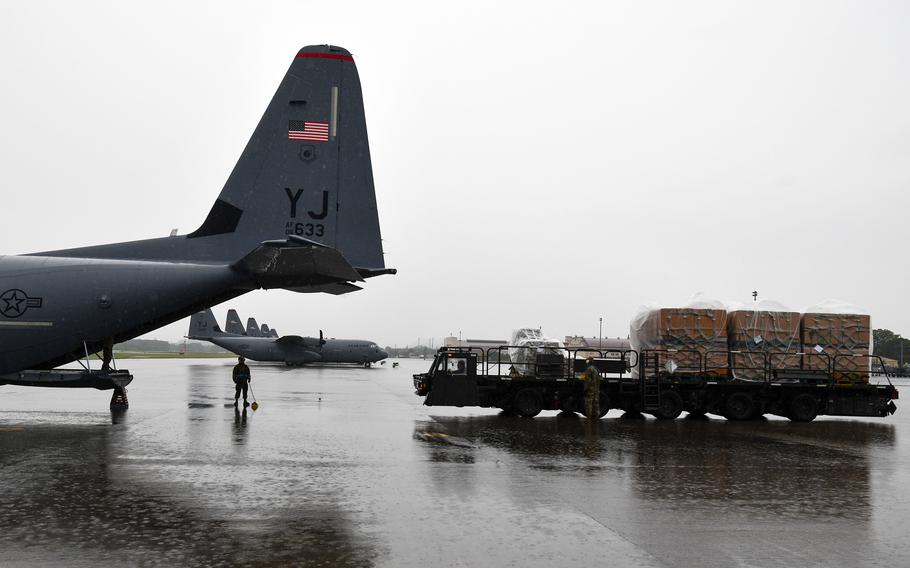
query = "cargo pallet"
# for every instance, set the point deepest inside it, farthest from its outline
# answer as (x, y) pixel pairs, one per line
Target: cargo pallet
(661, 382)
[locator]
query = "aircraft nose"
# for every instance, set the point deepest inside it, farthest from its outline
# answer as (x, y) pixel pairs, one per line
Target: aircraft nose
(383, 355)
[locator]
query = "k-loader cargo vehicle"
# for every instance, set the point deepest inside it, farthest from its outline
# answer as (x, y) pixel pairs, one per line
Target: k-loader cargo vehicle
(661, 382)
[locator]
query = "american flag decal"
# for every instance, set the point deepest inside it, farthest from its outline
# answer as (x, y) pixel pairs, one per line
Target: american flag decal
(309, 131)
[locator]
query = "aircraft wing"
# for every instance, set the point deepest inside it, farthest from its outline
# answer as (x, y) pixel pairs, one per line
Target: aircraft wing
(296, 263)
(300, 349)
(291, 340)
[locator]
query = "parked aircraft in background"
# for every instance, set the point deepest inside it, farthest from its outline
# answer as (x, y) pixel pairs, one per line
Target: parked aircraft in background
(297, 212)
(289, 349)
(233, 324)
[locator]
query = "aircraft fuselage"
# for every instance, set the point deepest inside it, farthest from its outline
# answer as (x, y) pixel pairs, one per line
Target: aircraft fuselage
(354, 351)
(65, 306)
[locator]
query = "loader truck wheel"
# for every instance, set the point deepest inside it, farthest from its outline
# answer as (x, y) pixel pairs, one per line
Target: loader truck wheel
(739, 406)
(670, 407)
(527, 403)
(803, 408)
(571, 405)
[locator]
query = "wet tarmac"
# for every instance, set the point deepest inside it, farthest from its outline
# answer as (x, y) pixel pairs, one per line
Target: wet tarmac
(345, 467)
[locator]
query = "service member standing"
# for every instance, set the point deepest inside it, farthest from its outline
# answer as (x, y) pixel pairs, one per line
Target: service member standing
(241, 376)
(107, 354)
(592, 379)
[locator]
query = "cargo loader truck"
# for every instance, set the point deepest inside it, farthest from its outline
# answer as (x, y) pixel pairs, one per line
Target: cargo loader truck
(661, 382)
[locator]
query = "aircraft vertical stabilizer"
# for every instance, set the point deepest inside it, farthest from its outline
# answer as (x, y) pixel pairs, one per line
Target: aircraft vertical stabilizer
(305, 174)
(203, 326)
(306, 170)
(234, 324)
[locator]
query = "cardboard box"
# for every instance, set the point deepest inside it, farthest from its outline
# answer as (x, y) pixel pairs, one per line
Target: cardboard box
(841, 344)
(685, 339)
(758, 338)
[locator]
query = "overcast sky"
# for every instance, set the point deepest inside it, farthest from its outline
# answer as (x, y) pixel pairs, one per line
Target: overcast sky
(535, 163)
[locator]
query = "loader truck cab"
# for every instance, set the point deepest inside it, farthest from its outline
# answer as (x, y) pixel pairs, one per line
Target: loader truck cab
(451, 380)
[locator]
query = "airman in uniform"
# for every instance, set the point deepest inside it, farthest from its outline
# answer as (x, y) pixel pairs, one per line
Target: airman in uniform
(592, 379)
(241, 376)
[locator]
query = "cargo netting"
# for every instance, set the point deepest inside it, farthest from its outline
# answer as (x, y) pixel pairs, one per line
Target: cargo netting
(753, 341)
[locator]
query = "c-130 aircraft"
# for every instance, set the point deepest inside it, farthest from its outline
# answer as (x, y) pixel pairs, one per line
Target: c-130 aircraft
(292, 350)
(298, 212)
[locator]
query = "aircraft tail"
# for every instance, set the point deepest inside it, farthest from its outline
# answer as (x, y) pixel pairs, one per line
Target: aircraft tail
(304, 178)
(273, 333)
(264, 329)
(306, 170)
(233, 323)
(203, 326)
(252, 328)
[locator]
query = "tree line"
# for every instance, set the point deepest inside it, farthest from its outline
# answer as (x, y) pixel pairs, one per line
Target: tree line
(886, 343)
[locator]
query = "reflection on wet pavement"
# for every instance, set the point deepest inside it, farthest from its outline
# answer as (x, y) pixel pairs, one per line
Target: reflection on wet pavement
(344, 467)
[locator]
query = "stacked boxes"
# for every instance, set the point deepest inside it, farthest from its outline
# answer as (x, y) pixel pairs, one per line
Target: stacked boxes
(757, 337)
(681, 338)
(842, 341)
(743, 344)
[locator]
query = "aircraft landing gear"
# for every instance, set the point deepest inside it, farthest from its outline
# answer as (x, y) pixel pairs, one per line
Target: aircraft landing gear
(119, 400)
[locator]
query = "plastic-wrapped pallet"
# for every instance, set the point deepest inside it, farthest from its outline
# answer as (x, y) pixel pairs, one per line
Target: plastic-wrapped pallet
(842, 341)
(532, 354)
(680, 340)
(769, 334)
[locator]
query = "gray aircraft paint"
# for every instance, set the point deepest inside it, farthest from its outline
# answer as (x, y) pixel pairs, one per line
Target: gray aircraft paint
(233, 324)
(252, 328)
(290, 349)
(296, 215)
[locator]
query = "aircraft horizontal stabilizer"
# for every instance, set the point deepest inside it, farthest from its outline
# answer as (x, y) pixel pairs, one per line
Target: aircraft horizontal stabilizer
(336, 289)
(371, 272)
(296, 262)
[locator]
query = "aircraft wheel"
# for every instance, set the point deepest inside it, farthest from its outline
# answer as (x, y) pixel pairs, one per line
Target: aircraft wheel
(803, 408)
(670, 407)
(527, 403)
(739, 406)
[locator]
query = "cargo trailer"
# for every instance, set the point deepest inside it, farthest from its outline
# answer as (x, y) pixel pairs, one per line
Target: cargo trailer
(663, 382)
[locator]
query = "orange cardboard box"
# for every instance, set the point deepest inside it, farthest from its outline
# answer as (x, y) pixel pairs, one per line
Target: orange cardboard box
(758, 338)
(841, 343)
(687, 337)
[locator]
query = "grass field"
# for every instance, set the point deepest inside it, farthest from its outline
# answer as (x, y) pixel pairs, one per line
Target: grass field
(166, 355)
